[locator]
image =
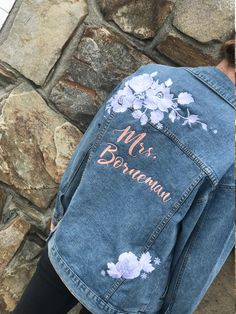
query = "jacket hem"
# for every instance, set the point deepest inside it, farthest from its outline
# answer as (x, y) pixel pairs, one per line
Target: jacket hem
(77, 287)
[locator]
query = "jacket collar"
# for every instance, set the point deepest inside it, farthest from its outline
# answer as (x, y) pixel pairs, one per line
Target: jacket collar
(216, 80)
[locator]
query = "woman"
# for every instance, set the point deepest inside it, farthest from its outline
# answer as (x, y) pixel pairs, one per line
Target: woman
(143, 219)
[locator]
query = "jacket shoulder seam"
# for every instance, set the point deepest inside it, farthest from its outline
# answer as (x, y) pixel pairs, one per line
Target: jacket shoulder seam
(203, 166)
(217, 91)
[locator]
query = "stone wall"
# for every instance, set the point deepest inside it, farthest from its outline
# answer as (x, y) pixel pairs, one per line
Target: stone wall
(59, 59)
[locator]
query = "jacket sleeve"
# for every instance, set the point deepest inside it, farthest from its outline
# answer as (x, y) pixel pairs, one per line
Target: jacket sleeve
(205, 252)
(78, 157)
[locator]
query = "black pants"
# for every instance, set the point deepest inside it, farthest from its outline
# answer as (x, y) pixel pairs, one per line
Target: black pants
(46, 293)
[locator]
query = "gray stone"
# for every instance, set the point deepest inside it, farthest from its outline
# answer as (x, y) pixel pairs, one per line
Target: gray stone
(76, 309)
(205, 20)
(10, 240)
(7, 77)
(140, 18)
(3, 198)
(39, 32)
(36, 144)
(100, 62)
(76, 102)
(184, 53)
(8, 80)
(15, 205)
(17, 276)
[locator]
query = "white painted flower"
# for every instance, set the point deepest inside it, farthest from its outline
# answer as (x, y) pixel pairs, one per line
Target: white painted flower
(145, 262)
(157, 261)
(141, 83)
(113, 271)
(161, 96)
(153, 74)
(143, 276)
(204, 126)
(150, 99)
(168, 82)
(159, 125)
(137, 104)
(185, 98)
(122, 100)
(192, 118)
(141, 116)
(129, 267)
(156, 116)
(103, 273)
(172, 115)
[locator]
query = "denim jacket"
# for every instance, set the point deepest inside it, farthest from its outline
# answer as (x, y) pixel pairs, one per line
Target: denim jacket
(144, 212)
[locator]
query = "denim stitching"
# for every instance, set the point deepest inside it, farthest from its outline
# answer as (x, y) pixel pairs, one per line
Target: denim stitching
(79, 282)
(186, 255)
(216, 88)
(208, 170)
(159, 228)
(168, 217)
(74, 173)
(100, 134)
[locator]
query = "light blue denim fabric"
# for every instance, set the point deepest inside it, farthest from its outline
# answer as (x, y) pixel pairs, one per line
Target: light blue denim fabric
(145, 209)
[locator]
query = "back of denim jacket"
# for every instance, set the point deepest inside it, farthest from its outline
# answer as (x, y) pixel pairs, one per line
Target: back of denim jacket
(160, 143)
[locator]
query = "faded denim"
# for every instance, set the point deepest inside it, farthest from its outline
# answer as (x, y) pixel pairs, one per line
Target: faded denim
(184, 234)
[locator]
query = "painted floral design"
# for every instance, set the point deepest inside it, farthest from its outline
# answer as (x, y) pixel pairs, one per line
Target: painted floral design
(151, 99)
(129, 267)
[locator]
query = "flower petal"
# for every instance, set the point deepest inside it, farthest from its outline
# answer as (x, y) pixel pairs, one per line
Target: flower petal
(137, 104)
(112, 271)
(128, 265)
(145, 262)
(172, 115)
(168, 82)
(204, 126)
(144, 119)
(193, 118)
(154, 74)
(141, 83)
(156, 116)
(137, 114)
